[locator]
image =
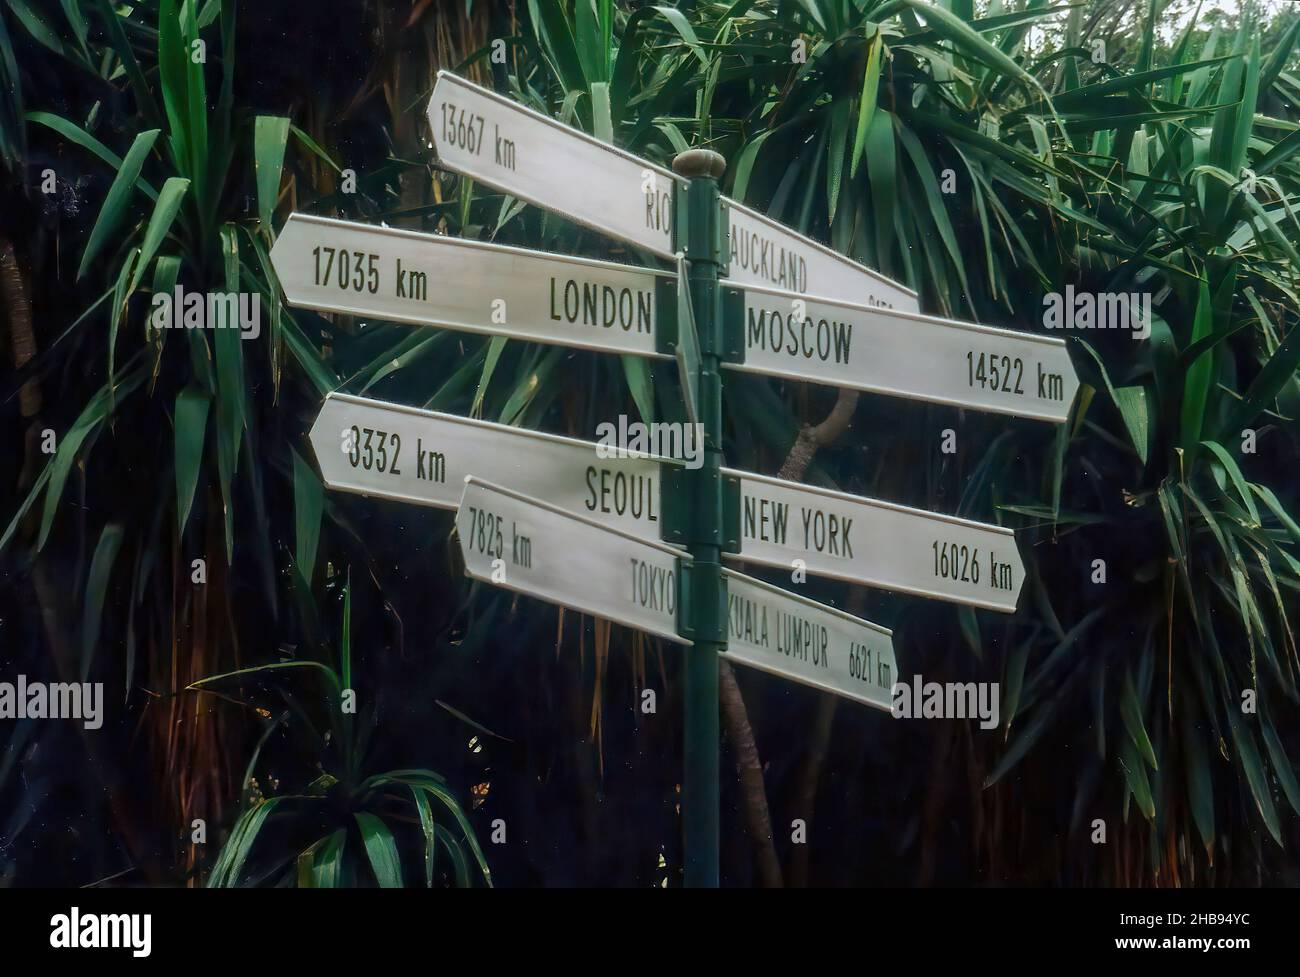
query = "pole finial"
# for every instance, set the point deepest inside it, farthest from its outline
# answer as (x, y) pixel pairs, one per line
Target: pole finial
(699, 162)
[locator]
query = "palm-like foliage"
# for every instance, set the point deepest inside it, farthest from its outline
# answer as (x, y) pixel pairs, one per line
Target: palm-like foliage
(322, 831)
(197, 406)
(168, 219)
(1207, 668)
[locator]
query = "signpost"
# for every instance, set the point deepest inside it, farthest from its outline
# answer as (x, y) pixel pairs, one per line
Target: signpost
(535, 548)
(565, 521)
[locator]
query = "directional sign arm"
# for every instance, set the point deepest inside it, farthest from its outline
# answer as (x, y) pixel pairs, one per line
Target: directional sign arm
(471, 286)
(880, 544)
(906, 354)
(766, 253)
(407, 454)
(811, 643)
(532, 547)
(497, 141)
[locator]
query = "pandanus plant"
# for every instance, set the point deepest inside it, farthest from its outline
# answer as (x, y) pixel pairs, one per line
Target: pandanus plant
(186, 568)
(315, 837)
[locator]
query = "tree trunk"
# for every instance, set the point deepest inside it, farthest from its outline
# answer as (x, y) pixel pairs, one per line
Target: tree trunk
(749, 767)
(22, 345)
(758, 820)
(51, 595)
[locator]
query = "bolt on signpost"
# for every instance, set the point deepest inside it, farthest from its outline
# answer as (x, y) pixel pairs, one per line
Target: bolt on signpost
(699, 228)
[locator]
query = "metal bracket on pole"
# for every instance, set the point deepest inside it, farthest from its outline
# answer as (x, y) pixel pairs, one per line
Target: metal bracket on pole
(719, 247)
(685, 610)
(665, 315)
(730, 514)
(724, 240)
(733, 325)
(677, 525)
(680, 233)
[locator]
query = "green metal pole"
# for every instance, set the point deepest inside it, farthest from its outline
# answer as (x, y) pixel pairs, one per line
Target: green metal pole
(704, 240)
